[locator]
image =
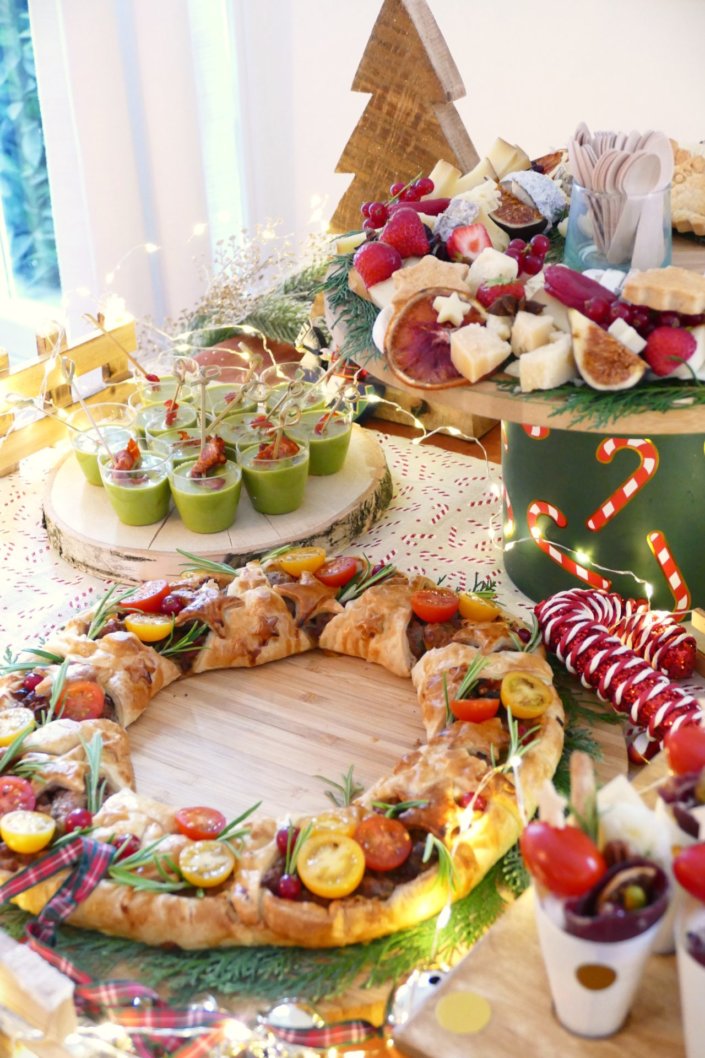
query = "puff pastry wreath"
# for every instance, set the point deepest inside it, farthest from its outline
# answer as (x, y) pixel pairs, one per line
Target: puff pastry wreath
(427, 832)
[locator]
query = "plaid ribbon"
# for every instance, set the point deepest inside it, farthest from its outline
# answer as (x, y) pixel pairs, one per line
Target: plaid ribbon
(138, 1009)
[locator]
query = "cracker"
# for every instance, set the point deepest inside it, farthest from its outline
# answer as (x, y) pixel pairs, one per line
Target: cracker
(667, 290)
(429, 272)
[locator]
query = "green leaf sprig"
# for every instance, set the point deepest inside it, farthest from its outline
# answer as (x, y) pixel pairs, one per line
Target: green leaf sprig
(12, 752)
(364, 580)
(484, 587)
(95, 785)
(57, 688)
(532, 642)
(127, 871)
(175, 644)
(446, 868)
(472, 676)
(356, 314)
(233, 833)
(293, 848)
(107, 606)
(196, 564)
(342, 793)
(391, 811)
(13, 664)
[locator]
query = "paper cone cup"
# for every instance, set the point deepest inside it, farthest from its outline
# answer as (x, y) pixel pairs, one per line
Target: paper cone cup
(691, 978)
(592, 983)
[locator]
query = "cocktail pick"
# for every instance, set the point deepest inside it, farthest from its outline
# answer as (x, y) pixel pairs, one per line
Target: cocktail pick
(203, 376)
(69, 370)
(99, 323)
(248, 388)
(294, 390)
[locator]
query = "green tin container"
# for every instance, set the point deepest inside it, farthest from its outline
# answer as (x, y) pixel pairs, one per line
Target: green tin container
(633, 505)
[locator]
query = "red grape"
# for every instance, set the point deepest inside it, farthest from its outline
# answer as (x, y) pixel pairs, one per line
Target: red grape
(365, 209)
(78, 819)
(531, 264)
(540, 245)
(410, 194)
(396, 188)
(289, 887)
(669, 319)
(517, 244)
(286, 835)
(378, 214)
(619, 310)
(597, 310)
(32, 680)
(424, 186)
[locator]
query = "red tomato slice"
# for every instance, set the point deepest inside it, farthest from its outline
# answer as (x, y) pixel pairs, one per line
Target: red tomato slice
(15, 793)
(338, 571)
(385, 842)
(199, 823)
(689, 869)
(474, 710)
(685, 748)
(148, 597)
(435, 604)
(82, 700)
(562, 859)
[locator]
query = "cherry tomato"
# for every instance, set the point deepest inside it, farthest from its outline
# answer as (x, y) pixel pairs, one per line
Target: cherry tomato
(82, 700)
(200, 823)
(150, 627)
(27, 832)
(14, 722)
(15, 793)
(474, 710)
(286, 839)
(689, 869)
(206, 863)
(330, 865)
(126, 845)
(524, 695)
(302, 559)
(434, 604)
(78, 819)
(562, 859)
(685, 748)
(385, 842)
(338, 820)
(148, 597)
(475, 608)
(338, 571)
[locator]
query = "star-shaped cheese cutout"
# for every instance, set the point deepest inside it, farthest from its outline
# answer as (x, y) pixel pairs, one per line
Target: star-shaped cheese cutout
(451, 308)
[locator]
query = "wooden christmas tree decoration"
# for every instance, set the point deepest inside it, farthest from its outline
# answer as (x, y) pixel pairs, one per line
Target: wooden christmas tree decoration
(410, 121)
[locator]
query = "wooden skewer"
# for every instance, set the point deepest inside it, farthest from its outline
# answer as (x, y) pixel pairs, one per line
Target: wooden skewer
(99, 323)
(69, 369)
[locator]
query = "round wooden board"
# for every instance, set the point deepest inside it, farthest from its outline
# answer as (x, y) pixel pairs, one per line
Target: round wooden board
(84, 530)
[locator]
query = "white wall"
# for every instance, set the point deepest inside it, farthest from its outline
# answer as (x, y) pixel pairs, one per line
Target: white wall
(532, 71)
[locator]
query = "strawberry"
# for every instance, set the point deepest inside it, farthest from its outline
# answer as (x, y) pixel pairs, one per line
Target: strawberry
(488, 293)
(468, 242)
(406, 233)
(667, 348)
(375, 261)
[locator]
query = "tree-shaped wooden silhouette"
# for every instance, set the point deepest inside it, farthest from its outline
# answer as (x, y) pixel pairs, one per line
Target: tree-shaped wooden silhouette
(410, 121)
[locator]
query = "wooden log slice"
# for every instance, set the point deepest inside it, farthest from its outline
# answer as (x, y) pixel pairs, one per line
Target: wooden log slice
(83, 529)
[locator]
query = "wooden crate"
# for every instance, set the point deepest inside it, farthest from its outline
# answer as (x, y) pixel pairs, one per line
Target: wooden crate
(105, 351)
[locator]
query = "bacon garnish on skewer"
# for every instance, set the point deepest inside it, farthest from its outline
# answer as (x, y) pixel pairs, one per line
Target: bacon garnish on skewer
(171, 409)
(127, 458)
(212, 455)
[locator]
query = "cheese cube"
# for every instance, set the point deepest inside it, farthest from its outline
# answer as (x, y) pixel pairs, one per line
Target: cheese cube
(501, 325)
(556, 309)
(529, 332)
(476, 352)
(548, 366)
(488, 265)
(625, 334)
(444, 176)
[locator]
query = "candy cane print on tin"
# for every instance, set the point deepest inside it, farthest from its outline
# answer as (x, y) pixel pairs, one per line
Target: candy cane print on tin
(621, 496)
(659, 548)
(538, 508)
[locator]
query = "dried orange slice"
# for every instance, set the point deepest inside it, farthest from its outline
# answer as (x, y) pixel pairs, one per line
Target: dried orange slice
(418, 346)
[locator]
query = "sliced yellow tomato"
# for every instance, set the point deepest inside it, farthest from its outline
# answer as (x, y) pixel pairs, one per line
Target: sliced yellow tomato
(331, 865)
(300, 560)
(26, 832)
(524, 695)
(206, 863)
(475, 608)
(339, 821)
(150, 627)
(14, 722)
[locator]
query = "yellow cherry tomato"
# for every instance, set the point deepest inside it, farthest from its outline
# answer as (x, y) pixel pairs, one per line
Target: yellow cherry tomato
(26, 832)
(14, 722)
(524, 695)
(475, 608)
(300, 560)
(340, 821)
(150, 627)
(330, 865)
(206, 863)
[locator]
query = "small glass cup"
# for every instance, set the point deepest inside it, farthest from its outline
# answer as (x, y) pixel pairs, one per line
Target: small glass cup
(206, 504)
(219, 393)
(241, 432)
(158, 392)
(328, 435)
(140, 495)
(115, 426)
(275, 486)
(618, 230)
(152, 419)
(180, 445)
(308, 395)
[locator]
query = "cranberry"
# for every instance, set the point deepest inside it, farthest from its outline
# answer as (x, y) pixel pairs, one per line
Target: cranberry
(289, 887)
(410, 194)
(152, 377)
(171, 604)
(425, 186)
(619, 310)
(379, 214)
(540, 244)
(479, 803)
(524, 634)
(126, 845)
(365, 209)
(396, 188)
(78, 819)
(32, 680)
(597, 310)
(283, 838)
(370, 228)
(669, 319)
(640, 320)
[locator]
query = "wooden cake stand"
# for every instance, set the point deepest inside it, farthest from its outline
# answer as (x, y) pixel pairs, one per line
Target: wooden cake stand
(84, 530)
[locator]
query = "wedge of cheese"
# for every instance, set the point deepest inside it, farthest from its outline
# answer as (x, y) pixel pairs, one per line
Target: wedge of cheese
(548, 366)
(476, 352)
(529, 332)
(484, 170)
(507, 158)
(381, 294)
(445, 176)
(347, 243)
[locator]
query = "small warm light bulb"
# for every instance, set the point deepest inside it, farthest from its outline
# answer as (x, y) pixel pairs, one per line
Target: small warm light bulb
(109, 277)
(582, 557)
(649, 590)
(199, 229)
(509, 546)
(150, 247)
(536, 532)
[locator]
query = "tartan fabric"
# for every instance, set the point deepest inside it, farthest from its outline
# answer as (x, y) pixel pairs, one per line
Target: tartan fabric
(320, 1037)
(201, 1047)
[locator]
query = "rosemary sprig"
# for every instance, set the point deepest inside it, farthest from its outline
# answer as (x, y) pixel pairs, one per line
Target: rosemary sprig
(364, 580)
(342, 793)
(394, 810)
(235, 831)
(57, 688)
(532, 642)
(484, 587)
(14, 665)
(196, 564)
(355, 313)
(126, 871)
(12, 751)
(472, 676)
(293, 848)
(105, 608)
(446, 698)
(519, 744)
(446, 867)
(95, 786)
(175, 644)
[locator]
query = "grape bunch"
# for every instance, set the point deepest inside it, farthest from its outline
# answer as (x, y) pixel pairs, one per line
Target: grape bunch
(529, 256)
(376, 214)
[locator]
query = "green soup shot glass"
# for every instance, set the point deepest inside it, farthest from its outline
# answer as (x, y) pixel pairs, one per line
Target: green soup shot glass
(140, 494)
(328, 437)
(206, 503)
(156, 419)
(105, 426)
(276, 484)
